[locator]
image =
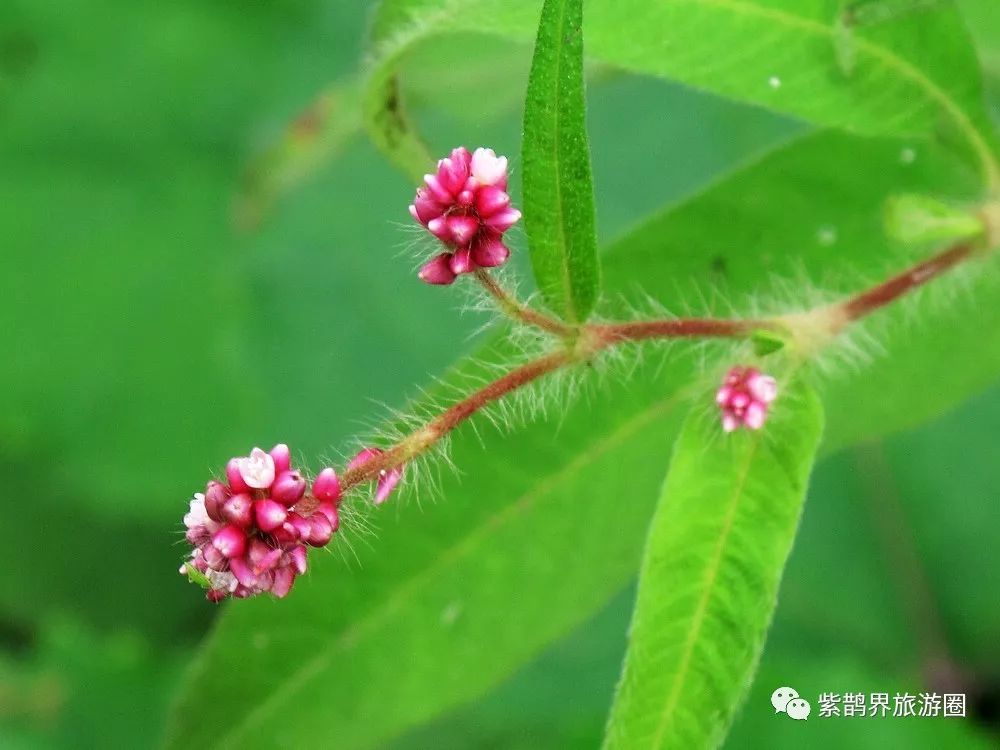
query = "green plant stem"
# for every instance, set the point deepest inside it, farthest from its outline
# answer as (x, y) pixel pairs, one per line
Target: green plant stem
(581, 343)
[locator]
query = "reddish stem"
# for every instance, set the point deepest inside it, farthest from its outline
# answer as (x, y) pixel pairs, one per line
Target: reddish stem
(453, 416)
(888, 291)
(610, 334)
(521, 312)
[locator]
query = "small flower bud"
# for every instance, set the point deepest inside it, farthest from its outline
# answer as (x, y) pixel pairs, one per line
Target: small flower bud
(197, 535)
(257, 469)
(387, 478)
(233, 476)
(301, 525)
(285, 534)
(282, 458)
(243, 572)
(437, 270)
(462, 229)
(288, 487)
(269, 514)
(197, 514)
(487, 168)
(503, 220)
(489, 252)
(425, 208)
(283, 580)
(461, 261)
(326, 487)
(330, 511)
(238, 510)
(490, 200)
(211, 558)
(387, 481)
(215, 495)
(439, 228)
(298, 556)
(262, 557)
(230, 541)
(320, 530)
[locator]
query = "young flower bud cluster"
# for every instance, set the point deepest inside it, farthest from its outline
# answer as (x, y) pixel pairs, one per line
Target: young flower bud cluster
(744, 398)
(251, 533)
(465, 205)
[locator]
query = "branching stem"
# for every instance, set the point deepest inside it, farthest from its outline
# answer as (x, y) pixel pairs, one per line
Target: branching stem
(581, 343)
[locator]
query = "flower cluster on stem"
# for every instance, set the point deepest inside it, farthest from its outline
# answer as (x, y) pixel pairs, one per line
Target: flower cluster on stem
(250, 534)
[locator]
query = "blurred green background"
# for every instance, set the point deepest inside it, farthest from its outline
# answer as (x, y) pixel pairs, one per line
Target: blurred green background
(147, 339)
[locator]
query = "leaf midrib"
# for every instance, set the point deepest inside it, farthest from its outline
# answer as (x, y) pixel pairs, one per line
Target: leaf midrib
(571, 312)
(677, 684)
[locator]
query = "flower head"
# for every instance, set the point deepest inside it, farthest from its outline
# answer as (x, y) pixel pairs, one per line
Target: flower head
(250, 535)
(466, 206)
(745, 397)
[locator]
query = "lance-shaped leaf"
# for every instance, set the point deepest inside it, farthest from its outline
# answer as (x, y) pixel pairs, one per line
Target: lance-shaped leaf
(716, 550)
(558, 187)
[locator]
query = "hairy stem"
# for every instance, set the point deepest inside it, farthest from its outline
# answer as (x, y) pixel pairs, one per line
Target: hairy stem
(582, 343)
(892, 289)
(510, 306)
(424, 438)
(612, 333)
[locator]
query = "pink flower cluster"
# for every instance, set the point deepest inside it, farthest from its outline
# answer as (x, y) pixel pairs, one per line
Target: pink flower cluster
(744, 398)
(465, 205)
(251, 534)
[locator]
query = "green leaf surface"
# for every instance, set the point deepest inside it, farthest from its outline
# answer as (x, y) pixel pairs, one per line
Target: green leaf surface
(779, 54)
(717, 547)
(558, 185)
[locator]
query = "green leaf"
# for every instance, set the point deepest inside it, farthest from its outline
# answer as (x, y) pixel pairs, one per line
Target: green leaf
(399, 634)
(767, 342)
(922, 220)
(708, 586)
(906, 77)
(558, 187)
